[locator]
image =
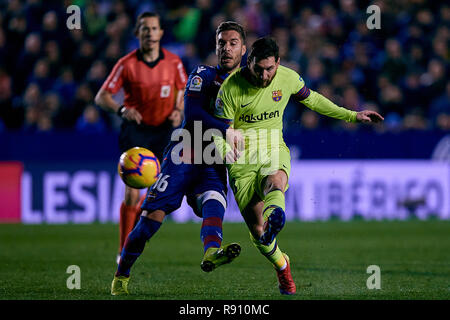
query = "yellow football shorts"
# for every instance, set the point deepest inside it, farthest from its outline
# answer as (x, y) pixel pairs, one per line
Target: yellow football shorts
(246, 179)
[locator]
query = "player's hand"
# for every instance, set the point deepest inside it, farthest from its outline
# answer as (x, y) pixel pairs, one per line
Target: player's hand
(176, 118)
(236, 141)
(231, 157)
(368, 116)
(132, 114)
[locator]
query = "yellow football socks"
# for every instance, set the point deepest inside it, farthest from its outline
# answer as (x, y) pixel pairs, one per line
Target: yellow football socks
(272, 200)
(272, 252)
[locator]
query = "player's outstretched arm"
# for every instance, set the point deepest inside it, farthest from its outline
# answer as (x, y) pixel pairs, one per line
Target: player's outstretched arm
(368, 116)
(317, 102)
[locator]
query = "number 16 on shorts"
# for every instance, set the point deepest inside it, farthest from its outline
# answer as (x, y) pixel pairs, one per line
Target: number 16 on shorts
(162, 183)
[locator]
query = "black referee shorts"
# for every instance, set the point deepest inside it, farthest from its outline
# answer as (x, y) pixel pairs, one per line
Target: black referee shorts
(152, 138)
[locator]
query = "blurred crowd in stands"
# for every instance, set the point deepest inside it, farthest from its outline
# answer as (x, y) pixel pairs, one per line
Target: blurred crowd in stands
(49, 74)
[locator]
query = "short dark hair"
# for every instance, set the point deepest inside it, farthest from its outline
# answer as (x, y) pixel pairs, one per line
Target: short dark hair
(146, 14)
(231, 25)
(263, 48)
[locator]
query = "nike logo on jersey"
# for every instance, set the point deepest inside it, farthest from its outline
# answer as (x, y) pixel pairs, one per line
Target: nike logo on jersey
(200, 69)
(244, 105)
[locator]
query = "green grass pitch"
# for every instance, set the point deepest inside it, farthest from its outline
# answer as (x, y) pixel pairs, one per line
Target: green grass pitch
(329, 261)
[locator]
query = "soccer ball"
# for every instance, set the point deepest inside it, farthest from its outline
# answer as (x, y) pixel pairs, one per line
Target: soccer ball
(139, 168)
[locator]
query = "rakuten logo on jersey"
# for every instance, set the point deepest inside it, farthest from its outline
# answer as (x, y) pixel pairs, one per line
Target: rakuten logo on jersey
(251, 118)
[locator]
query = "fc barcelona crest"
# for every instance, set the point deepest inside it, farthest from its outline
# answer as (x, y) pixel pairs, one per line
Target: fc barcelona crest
(276, 95)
